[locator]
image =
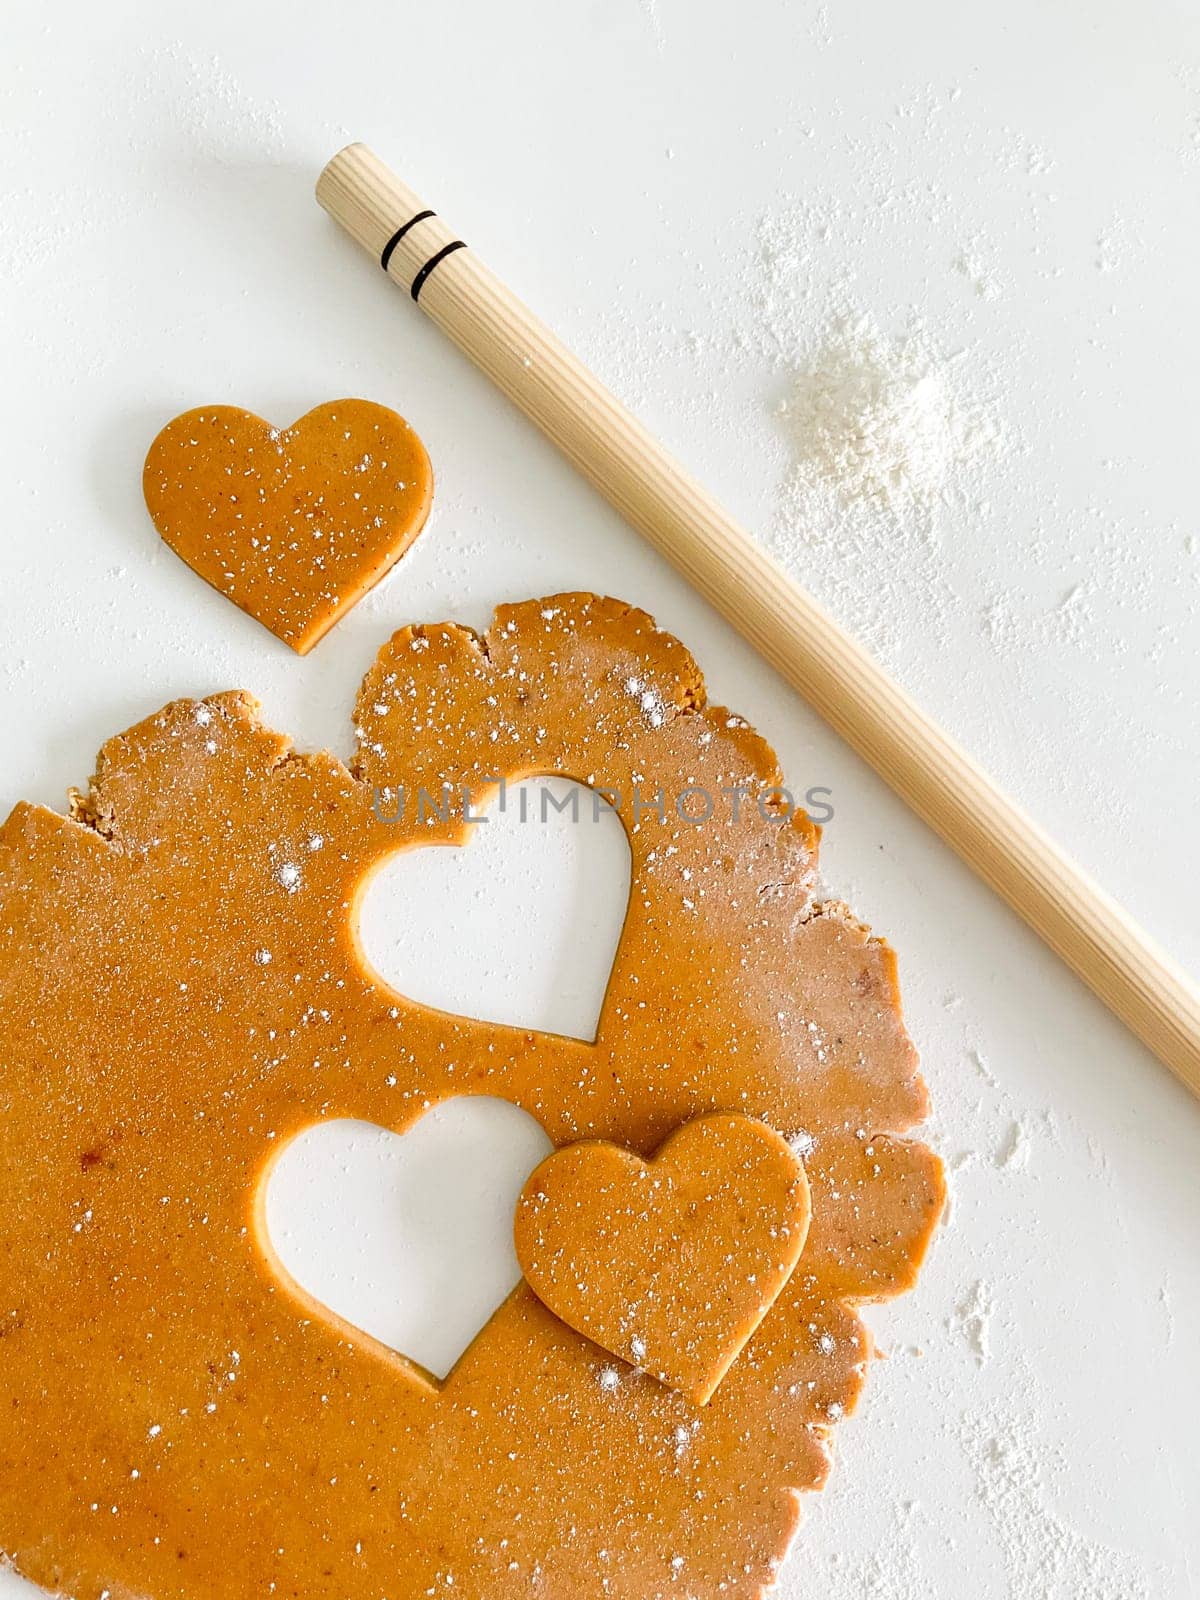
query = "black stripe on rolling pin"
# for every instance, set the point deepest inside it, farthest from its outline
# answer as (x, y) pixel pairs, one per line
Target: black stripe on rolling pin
(399, 234)
(418, 282)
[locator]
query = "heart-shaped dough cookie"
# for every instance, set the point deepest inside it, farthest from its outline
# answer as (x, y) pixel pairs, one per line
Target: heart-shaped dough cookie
(670, 1264)
(294, 525)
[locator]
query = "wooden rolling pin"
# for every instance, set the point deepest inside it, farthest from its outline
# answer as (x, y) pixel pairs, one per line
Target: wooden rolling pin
(1076, 918)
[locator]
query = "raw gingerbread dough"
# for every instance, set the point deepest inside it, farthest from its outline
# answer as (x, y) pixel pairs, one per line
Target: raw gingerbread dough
(182, 993)
(294, 524)
(670, 1264)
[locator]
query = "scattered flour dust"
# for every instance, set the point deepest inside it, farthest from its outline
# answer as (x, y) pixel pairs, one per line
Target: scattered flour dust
(973, 1319)
(1040, 1554)
(1044, 1557)
(878, 429)
(1013, 1155)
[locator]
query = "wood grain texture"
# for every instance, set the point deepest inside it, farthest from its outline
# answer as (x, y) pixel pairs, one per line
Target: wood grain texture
(1129, 972)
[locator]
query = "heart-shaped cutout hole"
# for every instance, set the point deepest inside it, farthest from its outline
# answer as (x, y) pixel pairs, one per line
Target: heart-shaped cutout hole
(521, 925)
(407, 1237)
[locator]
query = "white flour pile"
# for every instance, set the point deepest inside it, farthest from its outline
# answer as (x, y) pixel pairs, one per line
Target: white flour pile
(877, 428)
(889, 442)
(889, 422)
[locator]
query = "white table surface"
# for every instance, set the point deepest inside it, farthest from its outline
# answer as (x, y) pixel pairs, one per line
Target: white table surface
(1033, 1432)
